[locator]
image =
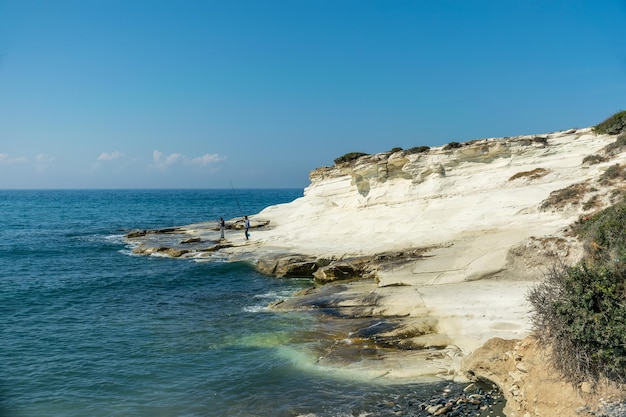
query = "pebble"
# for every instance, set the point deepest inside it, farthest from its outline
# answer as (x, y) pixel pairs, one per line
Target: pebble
(616, 409)
(474, 400)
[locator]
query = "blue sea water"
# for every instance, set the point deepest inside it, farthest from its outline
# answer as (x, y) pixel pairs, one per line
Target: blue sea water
(88, 329)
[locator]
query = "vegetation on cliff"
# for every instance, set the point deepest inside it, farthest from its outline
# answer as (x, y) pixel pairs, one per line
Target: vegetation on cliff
(580, 310)
(418, 149)
(349, 157)
(614, 125)
(452, 145)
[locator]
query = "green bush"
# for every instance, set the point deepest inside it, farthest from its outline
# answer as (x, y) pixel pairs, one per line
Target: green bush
(619, 143)
(593, 159)
(580, 311)
(613, 172)
(418, 149)
(396, 149)
(349, 157)
(614, 125)
(452, 145)
(604, 235)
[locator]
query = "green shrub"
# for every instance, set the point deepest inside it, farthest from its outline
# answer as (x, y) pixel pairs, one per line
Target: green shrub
(593, 159)
(580, 311)
(394, 150)
(418, 149)
(349, 157)
(614, 125)
(612, 173)
(604, 235)
(452, 145)
(619, 143)
(617, 196)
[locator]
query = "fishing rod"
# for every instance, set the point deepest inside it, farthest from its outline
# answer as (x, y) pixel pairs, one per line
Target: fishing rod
(236, 199)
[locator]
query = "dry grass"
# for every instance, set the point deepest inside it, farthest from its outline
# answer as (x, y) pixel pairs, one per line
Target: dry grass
(593, 203)
(613, 174)
(531, 175)
(617, 146)
(593, 159)
(562, 198)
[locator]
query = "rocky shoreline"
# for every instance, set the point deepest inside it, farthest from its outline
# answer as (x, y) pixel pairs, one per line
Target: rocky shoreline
(344, 295)
(361, 325)
(420, 260)
(477, 399)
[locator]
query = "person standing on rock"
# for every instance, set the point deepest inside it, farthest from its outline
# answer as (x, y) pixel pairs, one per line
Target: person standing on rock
(222, 225)
(246, 226)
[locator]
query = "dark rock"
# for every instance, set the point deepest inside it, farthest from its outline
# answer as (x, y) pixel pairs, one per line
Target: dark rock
(174, 253)
(254, 224)
(215, 248)
(337, 271)
(288, 266)
(166, 230)
(191, 240)
(141, 233)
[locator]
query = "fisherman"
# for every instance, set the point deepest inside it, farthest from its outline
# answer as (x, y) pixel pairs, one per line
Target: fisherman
(222, 225)
(246, 226)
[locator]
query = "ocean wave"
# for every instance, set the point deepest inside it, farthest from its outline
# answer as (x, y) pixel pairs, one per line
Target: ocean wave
(256, 309)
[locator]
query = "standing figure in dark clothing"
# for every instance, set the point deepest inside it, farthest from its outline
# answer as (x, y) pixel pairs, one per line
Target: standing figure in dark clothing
(246, 226)
(222, 225)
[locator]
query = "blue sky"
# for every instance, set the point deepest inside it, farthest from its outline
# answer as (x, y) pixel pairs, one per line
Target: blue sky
(256, 94)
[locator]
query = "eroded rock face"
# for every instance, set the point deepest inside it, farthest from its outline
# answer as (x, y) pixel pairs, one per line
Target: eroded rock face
(536, 256)
(355, 326)
(325, 270)
(288, 265)
(532, 388)
(343, 270)
(370, 170)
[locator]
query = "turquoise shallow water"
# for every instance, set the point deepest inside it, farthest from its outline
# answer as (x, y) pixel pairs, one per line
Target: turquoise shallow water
(90, 330)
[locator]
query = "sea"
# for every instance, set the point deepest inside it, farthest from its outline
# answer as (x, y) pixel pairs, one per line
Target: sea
(89, 329)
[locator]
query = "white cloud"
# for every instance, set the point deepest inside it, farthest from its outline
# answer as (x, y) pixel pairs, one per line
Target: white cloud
(105, 156)
(161, 160)
(156, 156)
(173, 158)
(206, 159)
(5, 158)
(42, 157)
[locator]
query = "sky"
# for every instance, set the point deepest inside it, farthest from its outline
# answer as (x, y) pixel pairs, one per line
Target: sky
(256, 94)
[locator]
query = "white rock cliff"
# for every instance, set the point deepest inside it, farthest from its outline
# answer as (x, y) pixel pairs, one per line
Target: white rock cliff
(487, 219)
(492, 214)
